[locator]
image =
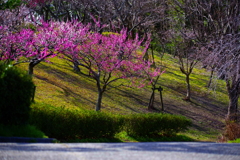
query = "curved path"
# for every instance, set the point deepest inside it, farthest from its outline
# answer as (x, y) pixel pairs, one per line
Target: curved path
(120, 151)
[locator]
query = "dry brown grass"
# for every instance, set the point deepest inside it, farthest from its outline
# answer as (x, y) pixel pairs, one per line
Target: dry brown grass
(232, 130)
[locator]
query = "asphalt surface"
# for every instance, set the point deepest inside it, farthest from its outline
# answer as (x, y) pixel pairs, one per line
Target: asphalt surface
(120, 151)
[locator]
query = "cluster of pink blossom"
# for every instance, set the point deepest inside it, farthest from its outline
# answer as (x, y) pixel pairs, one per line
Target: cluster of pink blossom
(114, 54)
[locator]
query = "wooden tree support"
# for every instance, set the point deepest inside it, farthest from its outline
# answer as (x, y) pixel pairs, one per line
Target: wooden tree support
(160, 89)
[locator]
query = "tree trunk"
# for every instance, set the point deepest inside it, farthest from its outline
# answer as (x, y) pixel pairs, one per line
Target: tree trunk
(75, 66)
(30, 68)
(210, 80)
(188, 96)
(152, 98)
(151, 101)
(32, 64)
(99, 101)
(233, 103)
(100, 93)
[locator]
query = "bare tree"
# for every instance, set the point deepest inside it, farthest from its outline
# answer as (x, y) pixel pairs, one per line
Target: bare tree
(177, 38)
(59, 10)
(187, 59)
(134, 15)
(216, 24)
(225, 55)
(14, 17)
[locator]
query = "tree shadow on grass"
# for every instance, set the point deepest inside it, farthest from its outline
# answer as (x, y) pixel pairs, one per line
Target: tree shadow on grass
(67, 91)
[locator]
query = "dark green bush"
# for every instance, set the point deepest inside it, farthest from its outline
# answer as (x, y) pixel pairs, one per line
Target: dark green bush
(152, 124)
(16, 90)
(64, 124)
(21, 131)
(68, 124)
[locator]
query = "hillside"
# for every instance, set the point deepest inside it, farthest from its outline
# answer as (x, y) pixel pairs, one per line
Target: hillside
(58, 85)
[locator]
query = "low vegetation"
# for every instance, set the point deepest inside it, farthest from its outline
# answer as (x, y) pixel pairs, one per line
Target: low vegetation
(232, 131)
(21, 131)
(16, 91)
(154, 124)
(70, 124)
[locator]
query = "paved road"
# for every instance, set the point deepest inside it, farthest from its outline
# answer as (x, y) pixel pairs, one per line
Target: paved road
(120, 151)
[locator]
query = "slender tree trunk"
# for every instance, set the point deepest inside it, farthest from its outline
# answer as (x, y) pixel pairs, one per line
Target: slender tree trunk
(210, 80)
(152, 98)
(99, 101)
(187, 72)
(188, 96)
(100, 93)
(151, 101)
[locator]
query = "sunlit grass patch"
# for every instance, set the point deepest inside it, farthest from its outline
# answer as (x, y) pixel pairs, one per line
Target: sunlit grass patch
(235, 141)
(197, 135)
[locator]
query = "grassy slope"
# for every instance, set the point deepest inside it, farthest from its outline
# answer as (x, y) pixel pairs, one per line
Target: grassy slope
(58, 85)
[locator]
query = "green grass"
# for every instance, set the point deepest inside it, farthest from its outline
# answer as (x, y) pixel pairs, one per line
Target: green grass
(124, 137)
(21, 131)
(199, 135)
(235, 141)
(59, 86)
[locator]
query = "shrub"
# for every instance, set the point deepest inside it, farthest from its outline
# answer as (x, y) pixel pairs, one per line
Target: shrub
(69, 124)
(21, 131)
(16, 90)
(65, 123)
(232, 130)
(152, 124)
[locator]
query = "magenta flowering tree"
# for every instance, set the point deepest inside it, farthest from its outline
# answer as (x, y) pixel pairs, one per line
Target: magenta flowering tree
(43, 45)
(108, 58)
(28, 46)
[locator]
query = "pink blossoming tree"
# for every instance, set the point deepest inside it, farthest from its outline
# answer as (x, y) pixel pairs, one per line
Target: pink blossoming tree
(27, 46)
(107, 58)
